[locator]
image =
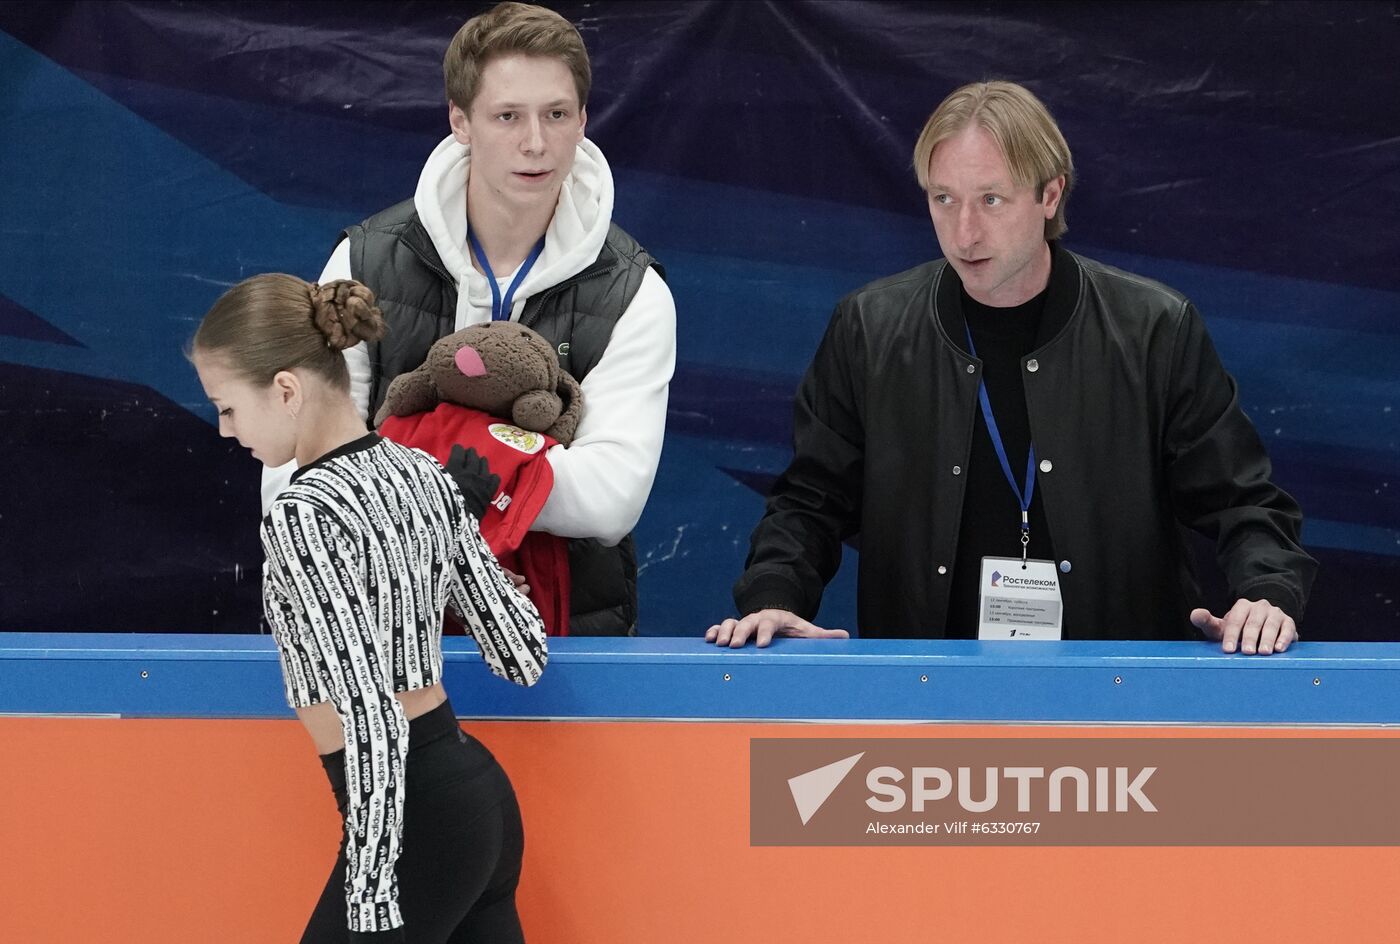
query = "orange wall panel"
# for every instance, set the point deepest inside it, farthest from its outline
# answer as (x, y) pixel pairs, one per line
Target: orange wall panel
(118, 831)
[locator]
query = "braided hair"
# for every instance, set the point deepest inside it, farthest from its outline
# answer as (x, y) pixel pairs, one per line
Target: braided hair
(275, 322)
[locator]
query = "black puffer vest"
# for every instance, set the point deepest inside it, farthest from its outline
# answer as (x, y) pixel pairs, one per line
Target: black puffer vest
(392, 253)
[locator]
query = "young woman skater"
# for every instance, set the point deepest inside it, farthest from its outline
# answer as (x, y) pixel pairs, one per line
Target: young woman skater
(364, 550)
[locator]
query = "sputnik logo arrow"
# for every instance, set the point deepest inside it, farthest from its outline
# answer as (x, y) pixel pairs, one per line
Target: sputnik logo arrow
(811, 790)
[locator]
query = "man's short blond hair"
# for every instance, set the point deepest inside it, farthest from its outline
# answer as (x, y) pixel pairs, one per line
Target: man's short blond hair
(1030, 141)
(512, 28)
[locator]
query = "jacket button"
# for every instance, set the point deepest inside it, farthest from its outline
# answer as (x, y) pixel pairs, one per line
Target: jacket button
(1046, 465)
(942, 569)
(1065, 567)
(1032, 365)
(957, 470)
(972, 368)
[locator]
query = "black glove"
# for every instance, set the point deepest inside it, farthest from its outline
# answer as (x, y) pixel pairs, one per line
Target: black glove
(472, 474)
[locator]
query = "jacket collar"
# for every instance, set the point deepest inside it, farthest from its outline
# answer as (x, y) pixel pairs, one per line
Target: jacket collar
(1061, 301)
(416, 238)
(368, 441)
(575, 235)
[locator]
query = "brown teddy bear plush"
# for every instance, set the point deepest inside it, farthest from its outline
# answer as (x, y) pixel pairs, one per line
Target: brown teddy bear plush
(503, 369)
(469, 391)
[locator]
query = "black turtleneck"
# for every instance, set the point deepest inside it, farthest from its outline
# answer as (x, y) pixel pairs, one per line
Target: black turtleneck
(991, 515)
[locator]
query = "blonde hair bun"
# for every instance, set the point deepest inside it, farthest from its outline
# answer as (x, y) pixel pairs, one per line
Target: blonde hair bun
(345, 314)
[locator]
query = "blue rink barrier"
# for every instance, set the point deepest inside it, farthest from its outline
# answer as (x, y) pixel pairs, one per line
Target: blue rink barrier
(237, 676)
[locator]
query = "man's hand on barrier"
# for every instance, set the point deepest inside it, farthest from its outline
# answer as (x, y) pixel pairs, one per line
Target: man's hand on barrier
(764, 625)
(1252, 626)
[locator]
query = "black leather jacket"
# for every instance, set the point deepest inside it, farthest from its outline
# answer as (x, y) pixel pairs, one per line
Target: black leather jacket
(1129, 405)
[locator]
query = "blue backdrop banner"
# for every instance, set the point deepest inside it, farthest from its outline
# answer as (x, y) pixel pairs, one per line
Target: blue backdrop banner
(152, 154)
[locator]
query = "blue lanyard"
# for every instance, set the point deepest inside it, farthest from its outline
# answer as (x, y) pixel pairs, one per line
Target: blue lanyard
(1023, 497)
(500, 310)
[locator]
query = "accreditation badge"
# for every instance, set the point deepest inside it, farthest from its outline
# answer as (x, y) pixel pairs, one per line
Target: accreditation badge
(1018, 601)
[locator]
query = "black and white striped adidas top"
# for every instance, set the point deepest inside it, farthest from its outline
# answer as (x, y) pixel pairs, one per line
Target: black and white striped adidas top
(365, 548)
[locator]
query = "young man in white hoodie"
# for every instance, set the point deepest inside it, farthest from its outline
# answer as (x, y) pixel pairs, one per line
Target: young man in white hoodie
(512, 219)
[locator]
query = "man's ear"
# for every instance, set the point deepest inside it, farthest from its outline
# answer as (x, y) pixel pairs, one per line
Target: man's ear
(461, 125)
(1050, 196)
(582, 123)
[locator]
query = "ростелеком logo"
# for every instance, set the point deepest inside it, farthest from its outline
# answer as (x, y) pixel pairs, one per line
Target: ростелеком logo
(996, 578)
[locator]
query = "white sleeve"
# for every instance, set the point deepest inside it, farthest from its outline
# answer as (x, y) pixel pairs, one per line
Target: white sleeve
(602, 480)
(276, 478)
(338, 265)
(357, 357)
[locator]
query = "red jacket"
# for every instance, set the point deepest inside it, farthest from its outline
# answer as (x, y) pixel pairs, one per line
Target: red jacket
(518, 457)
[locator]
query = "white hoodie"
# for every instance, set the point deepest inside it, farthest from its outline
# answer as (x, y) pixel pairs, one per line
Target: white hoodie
(602, 480)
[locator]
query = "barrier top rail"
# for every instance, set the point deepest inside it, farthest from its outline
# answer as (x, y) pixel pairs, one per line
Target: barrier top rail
(237, 676)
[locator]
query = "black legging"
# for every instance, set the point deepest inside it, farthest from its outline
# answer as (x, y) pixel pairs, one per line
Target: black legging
(461, 850)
